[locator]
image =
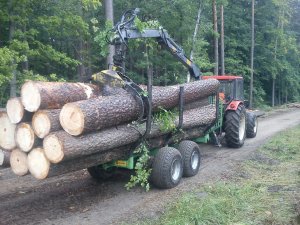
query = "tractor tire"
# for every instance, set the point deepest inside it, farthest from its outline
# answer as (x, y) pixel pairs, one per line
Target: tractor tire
(235, 127)
(191, 157)
(252, 124)
(100, 174)
(167, 168)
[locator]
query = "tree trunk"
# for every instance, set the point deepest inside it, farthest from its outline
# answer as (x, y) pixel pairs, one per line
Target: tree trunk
(273, 92)
(4, 158)
(252, 57)
(7, 132)
(216, 38)
(62, 146)
(47, 170)
(103, 112)
(16, 111)
(222, 42)
(46, 121)
(53, 95)
(26, 138)
(13, 81)
(109, 15)
(194, 38)
(18, 162)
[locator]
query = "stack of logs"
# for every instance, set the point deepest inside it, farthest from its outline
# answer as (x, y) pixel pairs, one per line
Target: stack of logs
(60, 127)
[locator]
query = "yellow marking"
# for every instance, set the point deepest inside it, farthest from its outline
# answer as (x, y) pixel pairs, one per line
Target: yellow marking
(189, 62)
(121, 163)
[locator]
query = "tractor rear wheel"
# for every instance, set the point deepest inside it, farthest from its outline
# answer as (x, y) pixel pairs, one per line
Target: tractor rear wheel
(167, 168)
(190, 152)
(235, 127)
(252, 125)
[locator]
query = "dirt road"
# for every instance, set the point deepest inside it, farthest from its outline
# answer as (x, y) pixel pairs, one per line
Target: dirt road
(77, 199)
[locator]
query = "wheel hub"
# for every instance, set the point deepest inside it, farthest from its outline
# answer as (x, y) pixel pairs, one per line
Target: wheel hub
(195, 160)
(175, 169)
(242, 127)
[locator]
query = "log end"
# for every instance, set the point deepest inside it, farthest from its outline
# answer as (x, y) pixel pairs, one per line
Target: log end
(41, 124)
(38, 164)
(18, 162)
(53, 148)
(7, 132)
(25, 137)
(30, 96)
(1, 157)
(15, 110)
(71, 119)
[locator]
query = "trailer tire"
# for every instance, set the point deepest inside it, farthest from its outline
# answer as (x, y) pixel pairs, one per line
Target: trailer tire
(100, 174)
(252, 125)
(235, 127)
(191, 157)
(167, 168)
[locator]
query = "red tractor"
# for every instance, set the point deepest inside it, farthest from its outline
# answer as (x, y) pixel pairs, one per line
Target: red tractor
(238, 123)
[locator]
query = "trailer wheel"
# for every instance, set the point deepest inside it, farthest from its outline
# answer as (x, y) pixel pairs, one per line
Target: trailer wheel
(167, 168)
(191, 157)
(235, 127)
(252, 124)
(100, 174)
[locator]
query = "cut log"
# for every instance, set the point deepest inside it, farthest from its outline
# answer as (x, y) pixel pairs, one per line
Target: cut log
(62, 146)
(26, 138)
(18, 162)
(86, 116)
(4, 158)
(95, 114)
(53, 95)
(46, 121)
(108, 156)
(47, 170)
(7, 132)
(16, 111)
(38, 164)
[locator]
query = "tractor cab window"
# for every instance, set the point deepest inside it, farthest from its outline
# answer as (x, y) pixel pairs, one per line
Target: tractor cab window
(226, 90)
(239, 90)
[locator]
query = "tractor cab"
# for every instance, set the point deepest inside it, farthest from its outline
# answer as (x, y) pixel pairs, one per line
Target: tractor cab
(231, 90)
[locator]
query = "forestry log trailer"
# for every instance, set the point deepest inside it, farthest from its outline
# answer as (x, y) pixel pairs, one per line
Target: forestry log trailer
(169, 164)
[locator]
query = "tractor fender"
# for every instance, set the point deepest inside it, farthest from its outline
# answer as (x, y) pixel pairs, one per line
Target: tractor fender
(233, 105)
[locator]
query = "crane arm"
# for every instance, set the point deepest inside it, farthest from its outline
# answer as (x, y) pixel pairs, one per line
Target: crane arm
(126, 30)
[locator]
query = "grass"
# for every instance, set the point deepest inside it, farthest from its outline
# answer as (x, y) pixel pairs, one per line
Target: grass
(263, 190)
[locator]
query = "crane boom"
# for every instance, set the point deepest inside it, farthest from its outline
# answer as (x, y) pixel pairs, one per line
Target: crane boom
(126, 30)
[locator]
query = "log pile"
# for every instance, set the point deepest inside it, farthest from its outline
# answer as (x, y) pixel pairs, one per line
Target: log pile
(60, 127)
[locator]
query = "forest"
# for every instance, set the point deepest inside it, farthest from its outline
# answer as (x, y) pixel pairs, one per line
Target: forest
(66, 41)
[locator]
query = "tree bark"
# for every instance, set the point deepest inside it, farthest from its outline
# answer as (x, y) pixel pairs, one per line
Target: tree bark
(16, 111)
(103, 112)
(46, 121)
(4, 158)
(13, 81)
(222, 42)
(18, 162)
(109, 15)
(26, 138)
(62, 146)
(53, 95)
(273, 91)
(47, 170)
(252, 57)
(7, 132)
(216, 38)
(194, 38)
